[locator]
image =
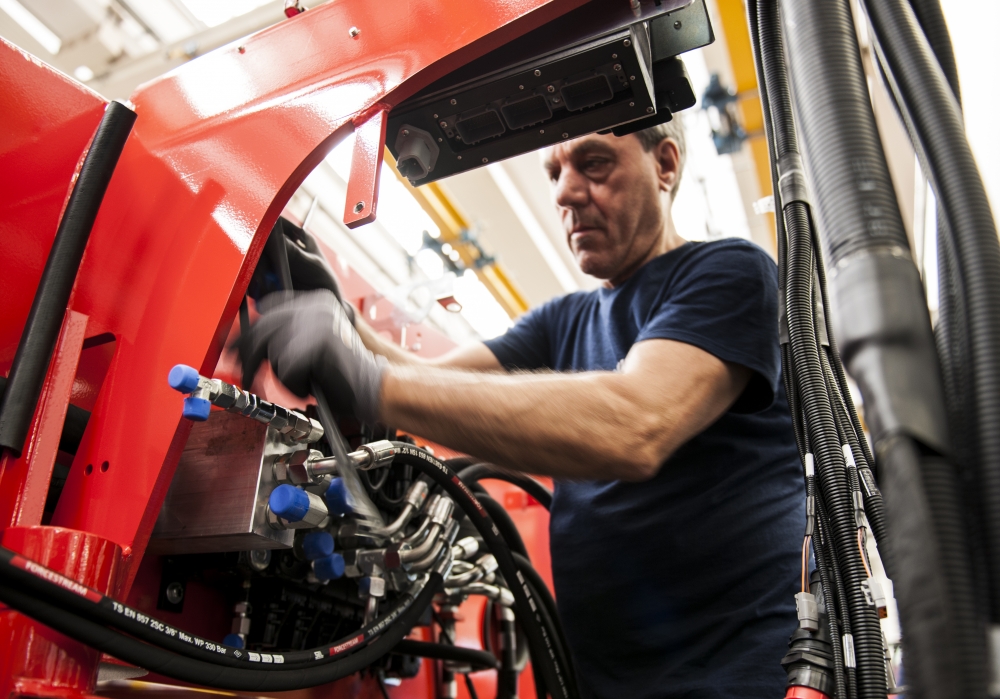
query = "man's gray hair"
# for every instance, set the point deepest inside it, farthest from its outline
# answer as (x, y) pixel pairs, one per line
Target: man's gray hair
(651, 137)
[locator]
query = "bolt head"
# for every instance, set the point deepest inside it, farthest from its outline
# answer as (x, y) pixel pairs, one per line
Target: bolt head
(541, 130)
(520, 87)
(406, 132)
(551, 88)
(440, 139)
(627, 42)
(175, 593)
(614, 56)
(538, 73)
(454, 101)
(677, 24)
(649, 110)
(631, 104)
(565, 135)
(459, 157)
(359, 207)
(486, 160)
(353, 31)
(631, 77)
(443, 124)
(617, 66)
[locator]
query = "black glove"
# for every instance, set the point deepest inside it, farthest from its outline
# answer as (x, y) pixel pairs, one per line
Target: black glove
(308, 338)
(309, 268)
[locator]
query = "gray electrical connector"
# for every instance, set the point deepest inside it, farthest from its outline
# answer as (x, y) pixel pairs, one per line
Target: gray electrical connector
(807, 611)
(418, 152)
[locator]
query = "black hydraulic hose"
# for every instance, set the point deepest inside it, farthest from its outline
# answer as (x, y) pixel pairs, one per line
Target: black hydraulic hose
(503, 522)
(73, 427)
(481, 471)
(555, 675)
(31, 360)
(935, 117)
(478, 659)
(541, 591)
(208, 674)
(86, 603)
(935, 29)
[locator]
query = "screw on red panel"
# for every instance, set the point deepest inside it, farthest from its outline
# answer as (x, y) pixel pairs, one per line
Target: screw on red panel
(293, 7)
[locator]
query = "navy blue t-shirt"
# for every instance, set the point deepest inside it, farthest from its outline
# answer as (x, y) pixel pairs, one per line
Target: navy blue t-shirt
(682, 585)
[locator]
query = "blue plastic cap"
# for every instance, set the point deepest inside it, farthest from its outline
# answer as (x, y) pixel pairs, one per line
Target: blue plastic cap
(288, 502)
(196, 409)
(329, 568)
(336, 498)
(233, 640)
(317, 545)
(183, 378)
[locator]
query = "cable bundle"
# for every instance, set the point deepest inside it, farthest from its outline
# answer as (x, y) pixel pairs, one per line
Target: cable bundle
(849, 217)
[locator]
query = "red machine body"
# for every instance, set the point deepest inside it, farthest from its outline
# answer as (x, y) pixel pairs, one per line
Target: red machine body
(219, 147)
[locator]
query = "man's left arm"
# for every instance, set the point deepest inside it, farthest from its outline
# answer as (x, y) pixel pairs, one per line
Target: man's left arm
(593, 425)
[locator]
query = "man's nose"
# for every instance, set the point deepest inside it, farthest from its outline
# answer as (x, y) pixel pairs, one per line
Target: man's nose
(571, 189)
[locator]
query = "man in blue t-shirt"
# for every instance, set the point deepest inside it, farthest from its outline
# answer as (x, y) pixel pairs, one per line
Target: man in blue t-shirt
(656, 404)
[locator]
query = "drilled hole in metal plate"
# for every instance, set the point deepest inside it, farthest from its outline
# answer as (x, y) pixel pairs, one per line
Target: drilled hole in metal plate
(526, 112)
(89, 469)
(480, 126)
(359, 207)
(586, 92)
(105, 466)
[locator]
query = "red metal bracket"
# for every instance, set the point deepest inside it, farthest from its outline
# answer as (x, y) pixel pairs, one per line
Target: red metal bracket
(366, 169)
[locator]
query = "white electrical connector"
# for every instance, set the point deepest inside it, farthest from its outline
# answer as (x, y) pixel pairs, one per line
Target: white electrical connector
(875, 596)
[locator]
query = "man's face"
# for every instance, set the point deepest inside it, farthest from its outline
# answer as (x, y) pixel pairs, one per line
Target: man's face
(607, 191)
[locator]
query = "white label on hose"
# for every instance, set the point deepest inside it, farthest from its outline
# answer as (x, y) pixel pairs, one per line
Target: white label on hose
(279, 659)
(254, 657)
(810, 466)
(849, 455)
(265, 658)
(849, 650)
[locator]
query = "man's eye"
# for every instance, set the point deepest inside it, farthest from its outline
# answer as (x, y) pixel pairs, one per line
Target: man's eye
(594, 164)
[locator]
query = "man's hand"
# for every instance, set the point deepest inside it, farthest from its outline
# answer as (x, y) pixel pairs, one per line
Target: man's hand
(309, 268)
(309, 338)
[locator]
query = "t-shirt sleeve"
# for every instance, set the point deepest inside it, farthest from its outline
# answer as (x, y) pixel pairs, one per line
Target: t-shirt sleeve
(526, 345)
(725, 301)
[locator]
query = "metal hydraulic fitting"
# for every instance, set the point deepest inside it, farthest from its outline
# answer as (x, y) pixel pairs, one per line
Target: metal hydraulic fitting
(380, 453)
(487, 563)
(465, 548)
(442, 511)
(371, 586)
(807, 610)
(204, 393)
(294, 508)
(292, 467)
(500, 595)
(240, 628)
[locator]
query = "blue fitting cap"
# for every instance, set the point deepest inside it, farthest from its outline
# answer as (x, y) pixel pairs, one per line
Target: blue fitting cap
(317, 545)
(233, 640)
(336, 498)
(288, 502)
(183, 378)
(196, 409)
(329, 568)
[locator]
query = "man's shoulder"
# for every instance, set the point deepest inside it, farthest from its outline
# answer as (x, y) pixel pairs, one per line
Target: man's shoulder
(728, 251)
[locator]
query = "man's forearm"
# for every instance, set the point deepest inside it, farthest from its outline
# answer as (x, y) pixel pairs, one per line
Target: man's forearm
(379, 345)
(570, 426)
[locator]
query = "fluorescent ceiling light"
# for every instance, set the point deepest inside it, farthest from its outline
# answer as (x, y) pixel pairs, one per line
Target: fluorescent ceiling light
(83, 73)
(533, 227)
(31, 24)
(214, 12)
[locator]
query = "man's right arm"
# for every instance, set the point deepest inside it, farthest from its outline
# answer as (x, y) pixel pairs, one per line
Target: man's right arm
(474, 356)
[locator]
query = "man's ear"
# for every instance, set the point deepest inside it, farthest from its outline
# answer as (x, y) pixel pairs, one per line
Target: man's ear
(667, 156)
